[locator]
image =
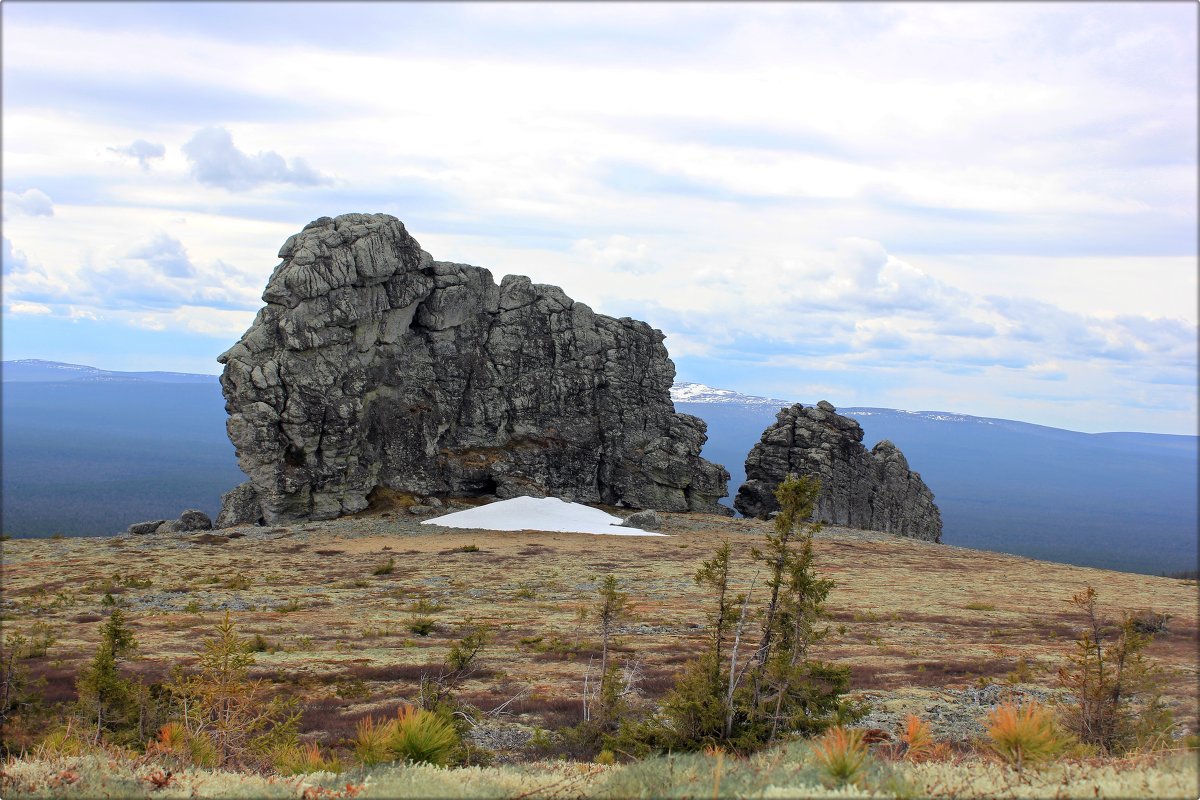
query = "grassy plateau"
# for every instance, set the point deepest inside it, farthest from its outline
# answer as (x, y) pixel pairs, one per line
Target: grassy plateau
(348, 616)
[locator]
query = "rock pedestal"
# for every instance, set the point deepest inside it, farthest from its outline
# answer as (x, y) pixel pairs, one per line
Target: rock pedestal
(873, 490)
(372, 365)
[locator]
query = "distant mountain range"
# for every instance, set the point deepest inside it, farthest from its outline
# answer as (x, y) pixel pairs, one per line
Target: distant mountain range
(35, 370)
(1123, 501)
(87, 451)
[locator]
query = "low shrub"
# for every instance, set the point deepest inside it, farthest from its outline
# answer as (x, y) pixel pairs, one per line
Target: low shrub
(1025, 734)
(304, 760)
(917, 739)
(238, 581)
(386, 568)
(421, 626)
(415, 736)
(841, 754)
(422, 737)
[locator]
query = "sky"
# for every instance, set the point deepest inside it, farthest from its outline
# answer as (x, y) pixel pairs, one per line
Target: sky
(973, 207)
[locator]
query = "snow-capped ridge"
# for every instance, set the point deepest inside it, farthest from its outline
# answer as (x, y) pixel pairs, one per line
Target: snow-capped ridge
(687, 392)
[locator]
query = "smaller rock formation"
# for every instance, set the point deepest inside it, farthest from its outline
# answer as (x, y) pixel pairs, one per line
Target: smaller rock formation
(873, 490)
(190, 520)
(647, 520)
(239, 506)
(150, 526)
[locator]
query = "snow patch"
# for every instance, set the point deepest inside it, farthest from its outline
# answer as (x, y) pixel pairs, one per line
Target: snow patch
(537, 514)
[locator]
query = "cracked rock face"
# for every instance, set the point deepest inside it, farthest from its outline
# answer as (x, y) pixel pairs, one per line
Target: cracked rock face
(874, 490)
(372, 365)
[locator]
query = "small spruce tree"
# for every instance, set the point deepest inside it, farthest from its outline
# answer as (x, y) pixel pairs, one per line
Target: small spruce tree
(107, 700)
(733, 698)
(1117, 692)
(223, 705)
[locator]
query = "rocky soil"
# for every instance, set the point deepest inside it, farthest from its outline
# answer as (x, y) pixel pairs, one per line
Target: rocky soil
(926, 628)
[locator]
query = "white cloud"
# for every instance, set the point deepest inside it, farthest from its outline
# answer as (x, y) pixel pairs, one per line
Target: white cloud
(20, 307)
(141, 150)
(33, 202)
(840, 185)
(616, 252)
(216, 161)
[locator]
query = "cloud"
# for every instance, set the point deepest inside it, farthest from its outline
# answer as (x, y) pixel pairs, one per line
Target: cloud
(142, 150)
(12, 261)
(30, 202)
(21, 307)
(839, 186)
(216, 161)
(155, 274)
(618, 252)
(164, 255)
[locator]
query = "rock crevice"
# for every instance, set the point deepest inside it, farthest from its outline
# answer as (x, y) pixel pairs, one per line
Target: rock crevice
(870, 489)
(372, 365)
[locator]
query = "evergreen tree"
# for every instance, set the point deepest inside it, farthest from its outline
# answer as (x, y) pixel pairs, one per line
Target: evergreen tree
(222, 705)
(105, 697)
(729, 697)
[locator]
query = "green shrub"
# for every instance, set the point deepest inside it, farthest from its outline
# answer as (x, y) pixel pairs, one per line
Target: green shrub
(238, 581)
(1026, 734)
(1118, 695)
(260, 645)
(371, 741)
(304, 760)
(421, 626)
(385, 568)
(422, 737)
(416, 736)
(841, 754)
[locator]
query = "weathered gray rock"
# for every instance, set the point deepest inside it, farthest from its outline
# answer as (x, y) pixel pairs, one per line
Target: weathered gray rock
(374, 365)
(194, 520)
(190, 520)
(874, 490)
(647, 520)
(239, 506)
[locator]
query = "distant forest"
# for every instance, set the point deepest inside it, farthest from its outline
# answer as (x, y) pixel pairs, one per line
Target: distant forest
(89, 458)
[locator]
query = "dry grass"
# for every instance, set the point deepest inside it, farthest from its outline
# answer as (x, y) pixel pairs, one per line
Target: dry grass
(903, 604)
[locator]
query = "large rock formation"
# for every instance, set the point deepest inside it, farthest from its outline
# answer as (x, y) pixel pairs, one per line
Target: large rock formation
(872, 489)
(372, 365)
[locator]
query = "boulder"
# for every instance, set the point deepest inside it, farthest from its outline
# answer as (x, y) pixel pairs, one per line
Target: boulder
(647, 520)
(239, 506)
(194, 520)
(142, 528)
(873, 490)
(373, 365)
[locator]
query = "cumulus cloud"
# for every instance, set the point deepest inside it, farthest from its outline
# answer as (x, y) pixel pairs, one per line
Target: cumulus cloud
(621, 253)
(155, 274)
(860, 309)
(142, 150)
(31, 202)
(22, 307)
(164, 255)
(12, 260)
(216, 161)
